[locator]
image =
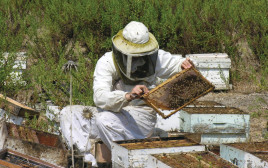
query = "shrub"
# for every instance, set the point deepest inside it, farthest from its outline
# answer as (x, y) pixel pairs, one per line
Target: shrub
(55, 31)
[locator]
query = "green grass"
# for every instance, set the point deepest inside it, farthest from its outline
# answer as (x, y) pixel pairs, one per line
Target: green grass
(55, 31)
(258, 108)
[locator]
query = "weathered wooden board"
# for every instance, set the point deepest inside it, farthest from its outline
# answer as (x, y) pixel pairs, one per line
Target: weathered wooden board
(16, 108)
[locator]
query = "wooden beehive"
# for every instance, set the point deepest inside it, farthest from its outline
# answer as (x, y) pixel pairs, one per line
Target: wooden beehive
(214, 67)
(178, 91)
(41, 145)
(216, 124)
(134, 153)
(27, 134)
(253, 154)
(172, 125)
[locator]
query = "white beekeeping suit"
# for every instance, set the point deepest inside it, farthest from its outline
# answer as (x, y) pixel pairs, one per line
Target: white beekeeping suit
(135, 60)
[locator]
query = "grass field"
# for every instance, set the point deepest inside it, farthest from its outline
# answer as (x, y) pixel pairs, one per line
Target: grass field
(55, 31)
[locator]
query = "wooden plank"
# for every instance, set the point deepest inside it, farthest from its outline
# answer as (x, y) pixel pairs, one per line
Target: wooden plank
(44, 163)
(16, 108)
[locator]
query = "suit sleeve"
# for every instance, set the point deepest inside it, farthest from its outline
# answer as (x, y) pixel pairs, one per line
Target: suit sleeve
(103, 96)
(168, 65)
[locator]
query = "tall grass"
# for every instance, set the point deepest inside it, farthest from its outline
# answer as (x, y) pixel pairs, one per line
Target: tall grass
(55, 31)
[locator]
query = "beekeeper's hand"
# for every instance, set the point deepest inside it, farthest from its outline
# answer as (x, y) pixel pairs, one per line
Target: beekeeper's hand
(137, 92)
(187, 64)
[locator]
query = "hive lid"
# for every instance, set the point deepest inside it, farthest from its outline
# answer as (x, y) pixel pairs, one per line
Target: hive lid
(151, 143)
(214, 61)
(212, 55)
(214, 110)
(178, 91)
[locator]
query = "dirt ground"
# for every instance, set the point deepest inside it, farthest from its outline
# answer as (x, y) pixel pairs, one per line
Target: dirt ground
(256, 104)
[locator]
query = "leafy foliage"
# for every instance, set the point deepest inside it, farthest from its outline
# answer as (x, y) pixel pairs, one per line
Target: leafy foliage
(55, 31)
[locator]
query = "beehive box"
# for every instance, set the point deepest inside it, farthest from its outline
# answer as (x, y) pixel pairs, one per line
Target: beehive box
(134, 153)
(10, 117)
(171, 125)
(215, 67)
(44, 146)
(19, 66)
(216, 124)
(189, 160)
(246, 155)
(53, 112)
(214, 120)
(177, 92)
(9, 158)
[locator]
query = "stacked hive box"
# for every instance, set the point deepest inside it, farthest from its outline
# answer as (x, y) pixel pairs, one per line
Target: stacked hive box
(215, 67)
(135, 153)
(41, 145)
(20, 65)
(210, 122)
(215, 124)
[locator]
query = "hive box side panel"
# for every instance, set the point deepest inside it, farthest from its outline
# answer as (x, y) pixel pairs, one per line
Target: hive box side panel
(216, 139)
(213, 123)
(120, 156)
(10, 117)
(219, 123)
(185, 121)
(241, 158)
(139, 157)
(154, 162)
(55, 156)
(164, 126)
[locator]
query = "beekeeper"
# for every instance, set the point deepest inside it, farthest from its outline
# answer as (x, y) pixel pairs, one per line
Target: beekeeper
(121, 76)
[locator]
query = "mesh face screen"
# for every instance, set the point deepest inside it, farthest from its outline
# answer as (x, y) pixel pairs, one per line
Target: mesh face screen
(147, 69)
(178, 91)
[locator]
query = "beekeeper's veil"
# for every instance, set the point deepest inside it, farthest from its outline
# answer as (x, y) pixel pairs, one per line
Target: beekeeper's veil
(135, 52)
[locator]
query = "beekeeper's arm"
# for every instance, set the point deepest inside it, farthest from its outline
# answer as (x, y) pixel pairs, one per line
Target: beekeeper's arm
(168, 65)
(104, 97)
